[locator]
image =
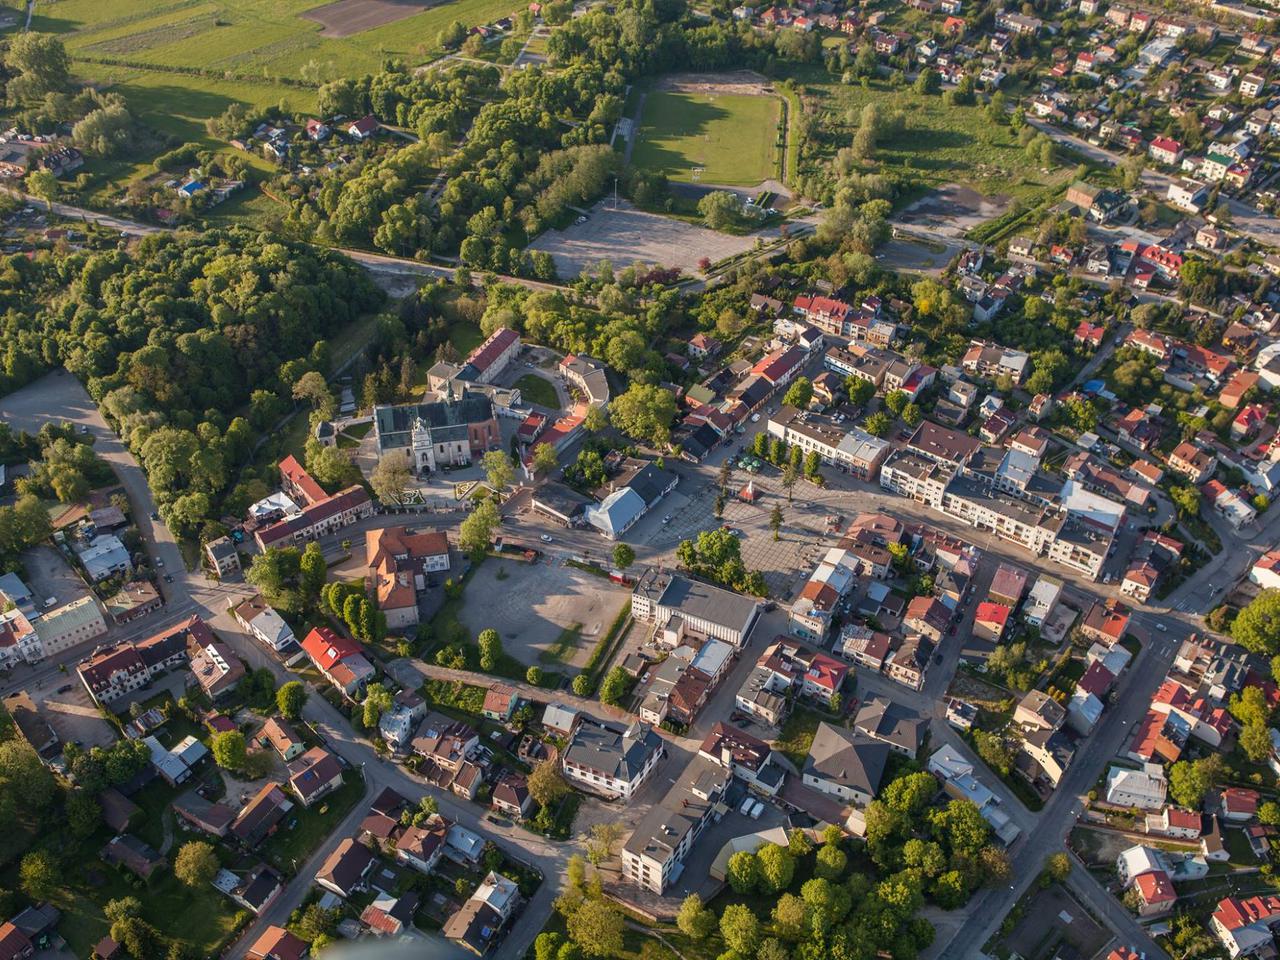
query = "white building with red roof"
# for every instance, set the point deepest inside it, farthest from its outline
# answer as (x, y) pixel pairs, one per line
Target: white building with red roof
(339, 658)
(1246, 926)
(1266, 572)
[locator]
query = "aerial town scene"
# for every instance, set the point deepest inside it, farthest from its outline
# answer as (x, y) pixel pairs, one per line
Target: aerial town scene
(640, 479)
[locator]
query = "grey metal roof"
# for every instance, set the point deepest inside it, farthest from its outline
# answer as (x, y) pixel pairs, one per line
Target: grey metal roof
(611, 749)
(702, 600)
(847, 758)
(885, 720)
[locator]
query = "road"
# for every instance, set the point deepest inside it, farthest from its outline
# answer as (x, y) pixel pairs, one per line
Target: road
(1262, 227)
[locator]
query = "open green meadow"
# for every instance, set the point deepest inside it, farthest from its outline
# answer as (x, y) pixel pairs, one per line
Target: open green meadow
(266, 38)
(728, 139)
(941, 144)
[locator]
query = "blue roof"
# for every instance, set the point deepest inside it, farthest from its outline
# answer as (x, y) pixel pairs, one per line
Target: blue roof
(1094, 386)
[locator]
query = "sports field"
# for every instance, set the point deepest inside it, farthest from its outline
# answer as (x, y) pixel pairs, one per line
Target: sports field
(715, 138)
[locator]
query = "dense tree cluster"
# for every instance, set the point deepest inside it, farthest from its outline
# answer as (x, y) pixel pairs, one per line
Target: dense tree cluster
(716, 555)
(170, 337)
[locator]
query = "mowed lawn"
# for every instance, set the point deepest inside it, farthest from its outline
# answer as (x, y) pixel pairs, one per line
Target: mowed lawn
(265, 38)
(728, 139)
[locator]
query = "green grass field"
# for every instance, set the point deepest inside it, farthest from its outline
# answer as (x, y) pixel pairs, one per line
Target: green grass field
(725, 139)
(941, 144)
(537, 390)
(268, 38)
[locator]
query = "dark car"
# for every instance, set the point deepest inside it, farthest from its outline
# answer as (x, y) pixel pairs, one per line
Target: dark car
(66, 688)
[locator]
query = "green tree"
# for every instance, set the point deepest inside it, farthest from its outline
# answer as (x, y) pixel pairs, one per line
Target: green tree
(789, 915)
(831, 862)
(799, 393)
(645, 413)
(546, 785)
(312, 570)
(391, 478)
(38, 875)
(720, 210)
(534, 676)
(498, 470)
(595, 420)
(41, 62)
(790, 477)
(743, 872)
(1257, 626)
(775, 520)
(740, 929)
(229, 750)
(777, 867)
(912, 415)
(83, 813)
(813, 465)
(312, 388)
(878, 424)
(1255, 741)
(623, 556)
(490, 649)
(695, 920)
(895, 400)
(477, 529)
(377, 701)
(545, 459)
(1190, 780)
(859, 390)
(196, 863)
(1057, 867)
(290, 699)
(596, 927)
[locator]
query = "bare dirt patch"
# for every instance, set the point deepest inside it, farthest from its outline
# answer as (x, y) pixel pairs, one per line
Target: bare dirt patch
(953, 210)
(742, 82)
(348, 17)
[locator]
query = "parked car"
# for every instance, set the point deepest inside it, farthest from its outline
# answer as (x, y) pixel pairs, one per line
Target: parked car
(745, 809)
(545, 538)
(757, 810)
(66, 688)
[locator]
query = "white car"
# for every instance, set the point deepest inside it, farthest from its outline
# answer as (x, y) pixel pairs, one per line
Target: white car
(755, 418)
(545, 538)
(1162, 628)
(757, 810)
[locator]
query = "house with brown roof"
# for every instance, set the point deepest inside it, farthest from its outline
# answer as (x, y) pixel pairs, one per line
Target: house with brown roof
(117, 669)
(213, 818)
(421, 846)
(315, 775)
(277, 734)
(216, 668)
(1192, 462)
(260, 816)
(345, 870)
(927, 616)
(277, 943)
(1106, 622)
(511, 796)
(137, 857)
(14, 944)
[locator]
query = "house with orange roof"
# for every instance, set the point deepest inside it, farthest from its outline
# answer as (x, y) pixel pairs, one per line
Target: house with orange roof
(400, 562)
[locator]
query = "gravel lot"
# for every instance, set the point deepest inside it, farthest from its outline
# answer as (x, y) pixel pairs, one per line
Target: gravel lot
(536, 601)
(627, 235)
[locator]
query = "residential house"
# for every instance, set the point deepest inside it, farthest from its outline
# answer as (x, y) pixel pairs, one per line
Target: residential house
(1145, 789)
(339, 658)
(900, 728)
(345, 870)
(315, 775)
(845, 765)
(609, 759)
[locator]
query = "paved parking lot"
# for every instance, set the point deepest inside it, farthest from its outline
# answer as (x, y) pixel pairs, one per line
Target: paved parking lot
(63, 701)
(530, 604)
(50, 576)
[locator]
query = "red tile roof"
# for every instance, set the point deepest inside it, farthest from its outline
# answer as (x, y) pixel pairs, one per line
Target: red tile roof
(295, 475)
(326, 647)
(1155, 887)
